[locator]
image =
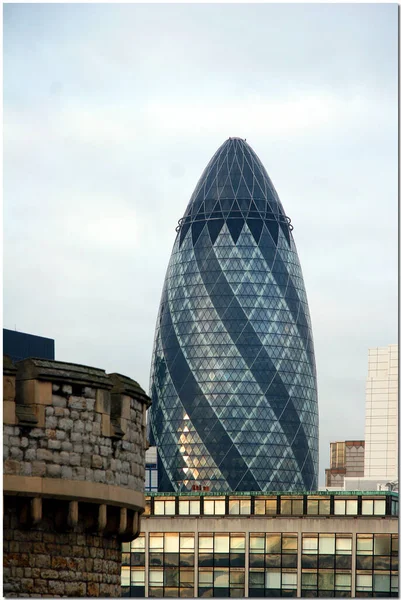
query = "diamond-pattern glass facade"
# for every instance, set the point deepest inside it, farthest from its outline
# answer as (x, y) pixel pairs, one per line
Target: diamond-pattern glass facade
(233, 377)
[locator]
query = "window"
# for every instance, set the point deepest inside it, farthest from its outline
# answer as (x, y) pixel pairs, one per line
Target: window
(171, 554)
(240, 506)
(266, 506)
(221, 564)
(188, 507)
(377, 564)
(318, 506)
(292, 506)
(164, 507)
(273, 563)
(214, 506)
(346, 506)
(373, 506)
(324, 556)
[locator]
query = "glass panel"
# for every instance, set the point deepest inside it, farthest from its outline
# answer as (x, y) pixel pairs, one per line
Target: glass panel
(394, 544)
(364, 582)
(221, 578)
(245, 507)
(171, 559)
(381, 583)
(271, 507)
(324, 507)
(339, 507)
(309, 544)
(221, 543)
(205, 577)
(352, 507)
(171, 542)
(309, 580)
(155, 542)
(382, 544)
(159, 507)
(237, 578)
(326, 581)
(138, 577)
(313, 507)
(183, 507)
(257, 543)
(194, 507)
(343, 580)
(220, 507)
(256, 579)
(273, 543)
(260, 507)
(125, 547)
(138, 544)
(205, 543)
(187, 542)
(290, 543)
(364, 544)
(171, 577)
(343, 545)
(289, 561)
(289, 581)
(208, 507)
(273, 579)
(186, 577)
(234, 507)
(125, 575)
(237, 543)
(155, 577)
(367, 507)
(170, 507)
(380, 507)
(285, 507)
(297, 507)
(326, 544)
(394, 583)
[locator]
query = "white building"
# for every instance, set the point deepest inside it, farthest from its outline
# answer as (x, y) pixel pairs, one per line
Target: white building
(381, 423)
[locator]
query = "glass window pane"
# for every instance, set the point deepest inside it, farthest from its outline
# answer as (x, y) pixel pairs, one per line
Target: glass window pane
(186, 576)
(367, 507)
(169, 507)
(155, 577)
(221, 578)
(394, 544)
(343, 545)
(313, 507)
(339, 507)
(138, 577)
(273, 543)
(256, 579)
(125, 547)
(221, 543)
(139, 544)
(206, 542)
(297, 507)
(159, 507)
(364, 544)
(394, 583)
(183, 507)
(290, 543)
(309, 544)
(285, 507)
(171, 542)
(234, 507)
(194, 507)
(380, 507)
(381, 583)
(220, 507)
(326, 581)
(271, 507)
(125, 575)
(273, 579)
(260, 507)
(289, 581)
(208, 507)
(245, 507)
(155, 542)
(343, 580)
(309, 580)
(382, 544)
(187, 542)
(237, 543)
(326, 544)
(364, 582)
(205, 577)
(352, 507)
(324, 507)
(257, 544)
(237, 578)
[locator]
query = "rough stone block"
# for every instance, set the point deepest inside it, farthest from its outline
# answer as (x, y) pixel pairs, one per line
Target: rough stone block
(97, 461)
(12, 467)
(59, 401)
(66, 424)
(56, 587)
(77, 403)
(54, 444)
(53, 470)
(9, 416)
(44, 454)
(38, 468)
(100, 476)
(66, 472)
(66, 446)
(60, 435)
(67, 389)
(75, 459)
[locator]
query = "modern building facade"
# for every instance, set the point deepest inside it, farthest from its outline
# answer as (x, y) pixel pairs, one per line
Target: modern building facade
(346, 460)
(233, 377)
(18, 345)
(151, 483)
(251, 545)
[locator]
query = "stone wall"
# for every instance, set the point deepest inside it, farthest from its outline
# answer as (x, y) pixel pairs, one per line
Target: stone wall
(74, 454)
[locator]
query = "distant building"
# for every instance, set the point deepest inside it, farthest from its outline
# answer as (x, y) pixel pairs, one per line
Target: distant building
(151, 470)
(346, 459)
(18, 345)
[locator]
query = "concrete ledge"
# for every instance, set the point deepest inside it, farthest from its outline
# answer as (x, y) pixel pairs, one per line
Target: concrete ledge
(65, 489)
(62, 372)
(128, 387)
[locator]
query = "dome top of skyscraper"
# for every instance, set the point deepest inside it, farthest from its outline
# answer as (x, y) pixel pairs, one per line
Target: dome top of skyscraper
(235, 188)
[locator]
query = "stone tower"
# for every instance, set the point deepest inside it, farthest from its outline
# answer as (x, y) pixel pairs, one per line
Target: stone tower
(74, 465)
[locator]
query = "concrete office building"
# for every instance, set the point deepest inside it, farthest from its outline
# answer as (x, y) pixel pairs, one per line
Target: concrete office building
(381, 422)
(233, 376)
(339, 544)
(346, 460)
(18, 345)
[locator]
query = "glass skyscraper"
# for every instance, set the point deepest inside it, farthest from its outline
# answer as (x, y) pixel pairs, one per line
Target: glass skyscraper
(233, 377)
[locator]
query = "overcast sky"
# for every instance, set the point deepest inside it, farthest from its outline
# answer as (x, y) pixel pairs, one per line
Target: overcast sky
(111, 113)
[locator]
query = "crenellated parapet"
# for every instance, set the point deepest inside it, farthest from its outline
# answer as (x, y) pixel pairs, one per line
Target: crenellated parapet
(74, 465)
